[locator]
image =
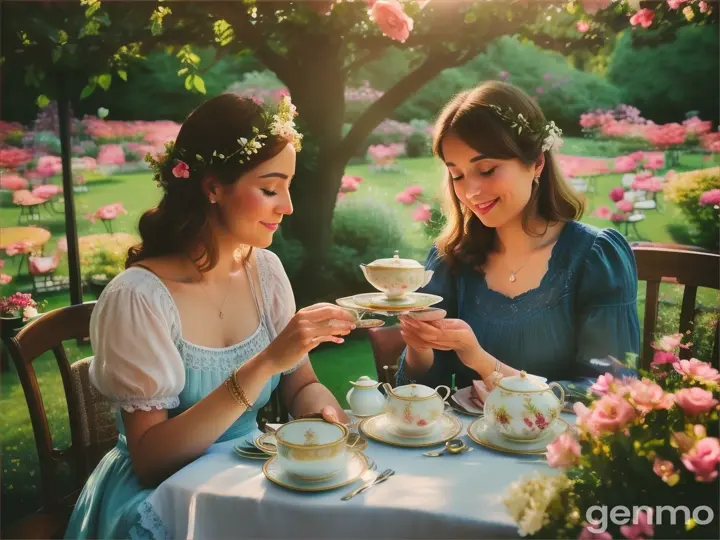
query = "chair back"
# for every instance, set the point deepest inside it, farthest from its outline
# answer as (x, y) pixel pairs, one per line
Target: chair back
(44, 334)
(387, 346)
(683, 266)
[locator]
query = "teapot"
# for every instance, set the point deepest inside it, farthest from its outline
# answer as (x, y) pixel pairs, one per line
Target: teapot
(396, 277)
(413, 409)
(521, 407)
(364, 398)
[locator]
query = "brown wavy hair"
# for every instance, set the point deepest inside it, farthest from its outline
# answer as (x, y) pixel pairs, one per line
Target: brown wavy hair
(181, 220)
(471, 117)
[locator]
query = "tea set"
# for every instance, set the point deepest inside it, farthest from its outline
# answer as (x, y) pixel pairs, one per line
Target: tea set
(521, 414)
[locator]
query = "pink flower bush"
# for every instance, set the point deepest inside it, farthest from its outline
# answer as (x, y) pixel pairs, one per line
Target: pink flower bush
(602, 212)
(111, 154)
(349, 184)
(703, 459)
(648, 396)
(710, 198)
(695, 401)
(390, 17)
(642, 529)
(12, 182)
(695, 370)
(664, 357)
(422, 213)
(12, 158)
(610, 414)
(644, 18)
(15, 304)
(563, 451)
(49, 166)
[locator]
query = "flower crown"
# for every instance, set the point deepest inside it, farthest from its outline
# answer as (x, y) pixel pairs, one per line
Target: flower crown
(280, 124)
(551, 134)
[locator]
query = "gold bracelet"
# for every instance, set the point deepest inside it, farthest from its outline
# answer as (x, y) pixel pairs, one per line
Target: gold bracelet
(236, 391)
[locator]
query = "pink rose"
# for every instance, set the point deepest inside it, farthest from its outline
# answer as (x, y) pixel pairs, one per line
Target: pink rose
(642, 529)
(617, 194)
(563, 451)
(695, 400)
(610, 414)
(587, 534)
(603, 384)
(5, 279)
(644, 18)
(422, 213)
(582, 27)
(703, 459)
(390, 17)
(694, 369)
(703, 7)
(674, 4)
(649, 396)
(711, 197)
(181, 170)
(666, 470)
(664, 357)
(670, 343)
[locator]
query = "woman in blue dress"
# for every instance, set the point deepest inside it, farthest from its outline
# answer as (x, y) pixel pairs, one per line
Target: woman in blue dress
(193, 337)
(525, 285)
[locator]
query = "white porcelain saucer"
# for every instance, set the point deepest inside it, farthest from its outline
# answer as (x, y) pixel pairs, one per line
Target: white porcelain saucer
(380, 429)
(415, 301)
(483, 434)
(267, 443)
(357, 465)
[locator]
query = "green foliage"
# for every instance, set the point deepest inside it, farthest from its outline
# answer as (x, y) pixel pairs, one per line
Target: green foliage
(566, 92)
(433, 226)
(290, 252)
(685, 191)
(668, 80)
(418, 145)
(103, 264)
(362, 230)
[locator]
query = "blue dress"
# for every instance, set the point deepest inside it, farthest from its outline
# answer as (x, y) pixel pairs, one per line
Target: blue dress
(141, 362)
(584, 309)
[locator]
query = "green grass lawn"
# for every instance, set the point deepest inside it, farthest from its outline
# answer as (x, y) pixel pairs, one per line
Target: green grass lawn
(335, 366)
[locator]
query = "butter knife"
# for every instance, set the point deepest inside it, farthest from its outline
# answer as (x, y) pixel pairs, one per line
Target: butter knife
(378, 480)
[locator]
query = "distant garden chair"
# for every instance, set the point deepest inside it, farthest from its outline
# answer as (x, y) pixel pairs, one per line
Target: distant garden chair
(92, 427)
(683, 266)
(42, 270)
(29, 206)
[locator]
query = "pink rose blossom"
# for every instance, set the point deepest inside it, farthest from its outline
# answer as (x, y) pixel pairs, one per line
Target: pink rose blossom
(695, 400)
(696, 370)
(563, 451)
(675, 4)
(587, 534)
(703, 7)
(405, 198)
(649, 396)
(617, 194)
(611, 413)
(642, 529)
(392, 20)
(181, 170)
(603, 384)
(644, 18)
(422, 213)
(666, 471)
(670, 343)
(711, 197)
(703, 459)
(582, 27)
(5, 279)
(664, 357)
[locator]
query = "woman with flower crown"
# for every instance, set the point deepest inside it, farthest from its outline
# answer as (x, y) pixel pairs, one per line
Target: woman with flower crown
(191, 340)
(525, 285)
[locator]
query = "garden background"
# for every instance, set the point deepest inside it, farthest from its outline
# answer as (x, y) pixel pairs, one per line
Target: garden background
(641, 142)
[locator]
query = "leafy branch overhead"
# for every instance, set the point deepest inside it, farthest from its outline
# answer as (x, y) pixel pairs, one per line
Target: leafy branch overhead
(101, 39)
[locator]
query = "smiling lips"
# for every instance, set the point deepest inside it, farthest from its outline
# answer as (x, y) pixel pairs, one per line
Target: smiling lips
(484, 208)
(271, 226)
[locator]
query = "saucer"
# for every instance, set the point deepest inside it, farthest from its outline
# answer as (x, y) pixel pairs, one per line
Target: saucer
(482, 433)
(461, 409)
(379, 428)
(250, 455)
(266, 442)
(414, 301)
(357, 465)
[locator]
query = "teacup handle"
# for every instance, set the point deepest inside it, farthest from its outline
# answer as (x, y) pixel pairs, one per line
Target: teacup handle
(562, 392)
(437, 389)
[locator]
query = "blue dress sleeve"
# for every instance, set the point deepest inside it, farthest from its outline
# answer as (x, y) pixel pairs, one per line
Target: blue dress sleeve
(442, 284)
(606, 312)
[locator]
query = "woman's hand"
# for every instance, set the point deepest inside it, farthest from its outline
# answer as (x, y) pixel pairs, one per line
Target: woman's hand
(306, 330)
(443, 335)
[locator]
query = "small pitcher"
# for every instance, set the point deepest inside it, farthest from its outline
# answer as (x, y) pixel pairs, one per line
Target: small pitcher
(364, 398)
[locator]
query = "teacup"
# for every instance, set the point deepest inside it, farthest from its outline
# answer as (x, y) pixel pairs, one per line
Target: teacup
(312, 449)
(396, 277)
(413, 409)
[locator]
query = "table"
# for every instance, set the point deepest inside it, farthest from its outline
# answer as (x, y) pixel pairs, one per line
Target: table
(37, 236)
(222, 495)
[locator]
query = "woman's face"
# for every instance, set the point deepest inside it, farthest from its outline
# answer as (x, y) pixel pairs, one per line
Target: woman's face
(496, 190)
(251, 209)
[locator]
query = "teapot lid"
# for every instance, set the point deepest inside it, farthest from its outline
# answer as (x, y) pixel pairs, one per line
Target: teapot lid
(365, 382)
(396, 262)
(522, 383)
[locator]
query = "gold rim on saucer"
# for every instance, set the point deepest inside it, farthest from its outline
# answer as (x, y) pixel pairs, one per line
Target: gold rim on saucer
(412, 301)
(510, 447)
(247, 455)
(375, 428)
(261, 442)
(358, 460)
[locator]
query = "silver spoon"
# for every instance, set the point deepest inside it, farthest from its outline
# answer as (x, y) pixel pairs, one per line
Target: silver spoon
(455, 446)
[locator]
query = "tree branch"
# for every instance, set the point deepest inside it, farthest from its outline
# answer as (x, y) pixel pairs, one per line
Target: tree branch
(380, 109)
(372, 54)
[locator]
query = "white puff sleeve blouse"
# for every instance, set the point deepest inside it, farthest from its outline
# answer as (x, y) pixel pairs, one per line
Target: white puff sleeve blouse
(133, 331)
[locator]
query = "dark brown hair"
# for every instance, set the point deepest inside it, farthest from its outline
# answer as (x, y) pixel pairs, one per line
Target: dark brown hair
(181, 221)
(471, 117)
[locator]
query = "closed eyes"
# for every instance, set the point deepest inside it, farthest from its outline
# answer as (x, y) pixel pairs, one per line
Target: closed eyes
(481, 173)
(269, 192)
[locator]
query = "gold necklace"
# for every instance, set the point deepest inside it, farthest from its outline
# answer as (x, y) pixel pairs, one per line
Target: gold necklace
(227, 290)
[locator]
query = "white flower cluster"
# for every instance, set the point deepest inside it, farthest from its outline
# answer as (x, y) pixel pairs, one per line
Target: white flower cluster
(553, 139)
(552, 134)
(283, 122)
(528, 500)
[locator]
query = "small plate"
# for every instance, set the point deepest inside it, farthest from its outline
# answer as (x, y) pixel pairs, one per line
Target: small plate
(369, 323)
(414, 301)
(460, 408)
(379, 428)
(483, 434)
(267, 443)
(357, 465)
(250, 455)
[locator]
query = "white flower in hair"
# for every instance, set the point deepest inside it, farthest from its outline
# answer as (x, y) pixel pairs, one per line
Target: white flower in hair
(553, 140)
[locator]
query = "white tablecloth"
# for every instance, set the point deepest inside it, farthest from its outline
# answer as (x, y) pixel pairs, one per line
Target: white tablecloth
(224, 496)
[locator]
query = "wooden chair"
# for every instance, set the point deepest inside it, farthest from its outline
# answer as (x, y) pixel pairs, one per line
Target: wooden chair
(274, 412)
(683, 266)
(387, 346)
(44, 334)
